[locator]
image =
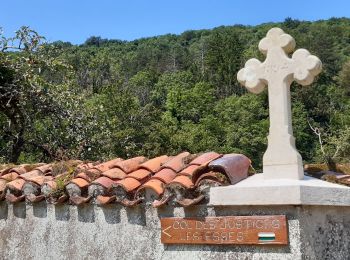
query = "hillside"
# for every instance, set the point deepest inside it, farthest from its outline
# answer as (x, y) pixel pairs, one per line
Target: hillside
(165, 94)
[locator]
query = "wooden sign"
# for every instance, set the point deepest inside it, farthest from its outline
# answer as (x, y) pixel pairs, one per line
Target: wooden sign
(249, 230)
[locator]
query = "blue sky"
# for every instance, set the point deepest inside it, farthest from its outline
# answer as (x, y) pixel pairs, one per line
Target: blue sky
(75, 21)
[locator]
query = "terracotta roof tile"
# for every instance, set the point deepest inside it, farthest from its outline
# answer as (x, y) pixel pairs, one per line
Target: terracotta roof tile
(85, 166)
(184, 179)
(140, 174)
(234, 166)
(27, 176)
(154, 164)
(2, 189)
(115, 173)
(10, 176)
(177, 163)
(40, 180)
(19, 170)
(214, 176)
(102, 200)
(190, 170)
(80, 182)
(130, 165)
(156, 185)
(45, 169)
(17, 184)
(205, 158)
(107, 165)
(165, 175)
(14, 199)
(129, 184)
(89, 177)
(105, 182)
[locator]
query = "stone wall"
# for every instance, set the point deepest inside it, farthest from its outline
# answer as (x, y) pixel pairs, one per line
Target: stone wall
(42, 231)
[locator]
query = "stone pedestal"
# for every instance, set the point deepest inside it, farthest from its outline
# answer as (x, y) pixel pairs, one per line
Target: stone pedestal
(256, 190)
(317, 212)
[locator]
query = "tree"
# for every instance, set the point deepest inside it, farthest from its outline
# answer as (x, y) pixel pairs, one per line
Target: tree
(33, 95)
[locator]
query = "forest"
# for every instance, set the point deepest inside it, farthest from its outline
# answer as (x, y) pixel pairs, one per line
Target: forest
(165, 94)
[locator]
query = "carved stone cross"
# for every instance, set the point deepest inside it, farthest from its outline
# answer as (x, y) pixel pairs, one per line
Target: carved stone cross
(278, 71)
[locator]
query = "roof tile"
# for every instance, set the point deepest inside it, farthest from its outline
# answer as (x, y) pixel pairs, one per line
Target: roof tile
(80, 182)
(156, 185)
(130, 165)
(115, 173)
(105, 182)
(27, 176)
(235, 166)
(154, 164)
(140, 174)
(17, 184)
(177, 163)
(10, 176)
(107, 165)
(205, 158)
(183, 181)
(165, 175)
(157, 181)
(45, 169)
(129, 184)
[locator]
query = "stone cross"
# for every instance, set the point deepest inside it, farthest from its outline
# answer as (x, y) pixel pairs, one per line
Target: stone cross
(278, 71)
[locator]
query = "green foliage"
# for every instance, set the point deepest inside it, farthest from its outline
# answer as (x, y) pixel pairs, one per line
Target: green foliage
(165, 94)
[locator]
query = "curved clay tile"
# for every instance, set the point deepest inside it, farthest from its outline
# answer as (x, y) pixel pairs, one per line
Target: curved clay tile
(177, 163)
(45, 169)
(234, 166)
(16, 185)
(167, 196)
(129, 203)
(154, 164)
(13, 198)
(140, 174)
(115, 173)
(33, 198)
(130, 165)
(88, 176)
(128, 184)
(10, 176)
(214, 176)
(19, 170)
(107, 165)
(104, 182)
(102, 200)
(80, 182)
(165, 175)
(2, 189)
(183, 181)
(78, 200)
(5, 170)
(85, 166)
(190, 170)
(205, 158)
(63, 198)
(40, 180)
(101, 186)
(156, 185)
(31, 174)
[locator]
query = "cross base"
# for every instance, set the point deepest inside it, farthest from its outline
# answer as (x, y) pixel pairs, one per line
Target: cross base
(281, 159)
(284, 171)
(256, 190)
